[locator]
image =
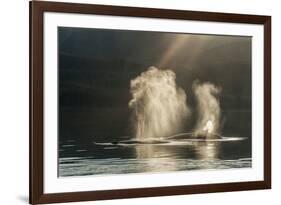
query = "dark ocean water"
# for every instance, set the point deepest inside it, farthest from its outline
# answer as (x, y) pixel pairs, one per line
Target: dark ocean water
(87, 147)
(129, 156)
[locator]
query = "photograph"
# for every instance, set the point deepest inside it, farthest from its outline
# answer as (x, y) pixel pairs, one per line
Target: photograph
(129, 102)
(136, 101)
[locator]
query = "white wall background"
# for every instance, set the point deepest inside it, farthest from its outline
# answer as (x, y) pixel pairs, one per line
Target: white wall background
(14, 101)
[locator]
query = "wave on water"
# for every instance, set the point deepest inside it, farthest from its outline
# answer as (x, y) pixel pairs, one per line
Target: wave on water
(179, 139)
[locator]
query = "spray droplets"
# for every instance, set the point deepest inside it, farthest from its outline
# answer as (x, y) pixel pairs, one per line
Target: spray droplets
(208, 109)
(159, 107)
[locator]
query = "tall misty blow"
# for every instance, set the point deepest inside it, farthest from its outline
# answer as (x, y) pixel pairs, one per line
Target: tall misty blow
(158, 106)
(208, 108)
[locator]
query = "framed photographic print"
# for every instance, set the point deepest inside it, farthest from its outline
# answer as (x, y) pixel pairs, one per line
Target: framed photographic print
(138, 102)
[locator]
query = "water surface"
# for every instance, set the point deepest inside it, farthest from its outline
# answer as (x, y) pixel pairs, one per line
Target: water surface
(129, 156)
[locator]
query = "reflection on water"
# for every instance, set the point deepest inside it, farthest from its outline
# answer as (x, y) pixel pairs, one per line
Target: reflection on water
(207, 150)
(156, 156)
